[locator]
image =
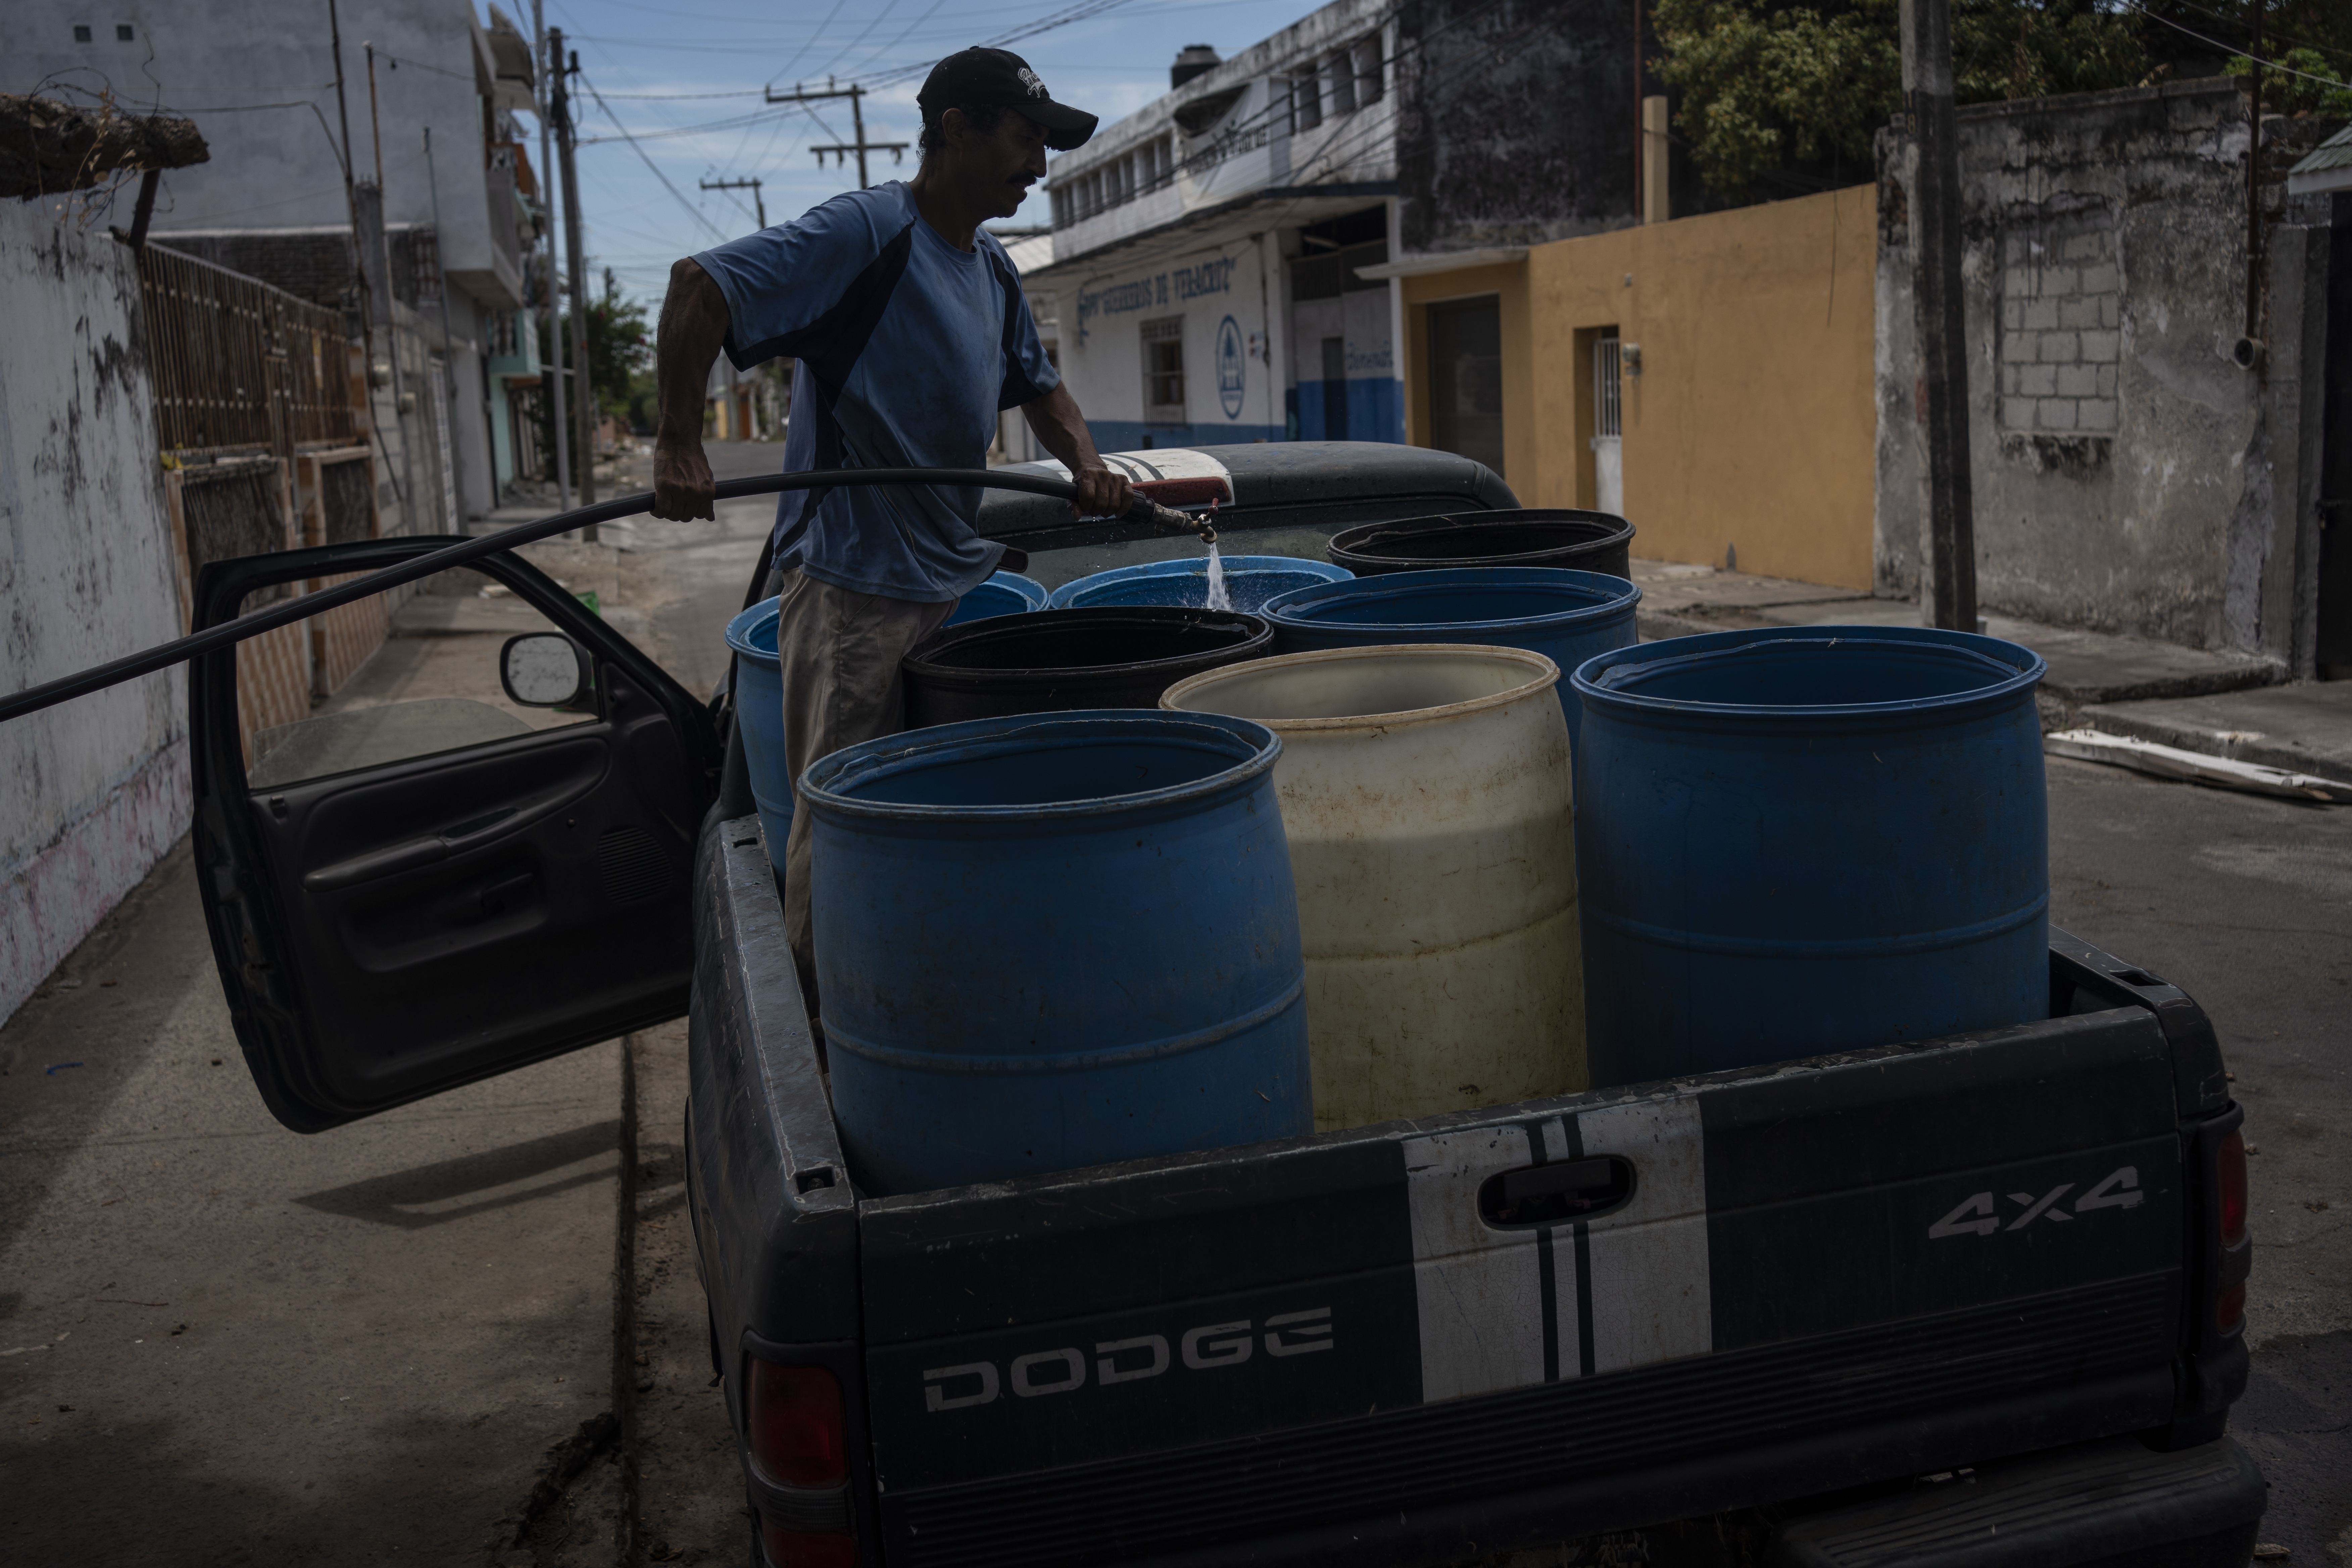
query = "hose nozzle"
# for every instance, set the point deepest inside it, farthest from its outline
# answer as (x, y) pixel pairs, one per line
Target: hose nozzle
(1146, 509)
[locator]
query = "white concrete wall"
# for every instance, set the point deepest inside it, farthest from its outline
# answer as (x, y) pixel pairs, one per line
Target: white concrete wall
(93, 792)
(276, 168)
(1232, 390)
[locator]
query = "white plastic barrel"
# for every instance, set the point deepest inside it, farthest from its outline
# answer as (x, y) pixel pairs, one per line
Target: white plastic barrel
(1425, 792)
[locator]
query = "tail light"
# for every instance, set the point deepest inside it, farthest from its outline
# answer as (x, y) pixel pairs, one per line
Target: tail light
(2230, 1159)
(2230, 1310)
(797, 1435)
(799, 1549)
(799, 1439)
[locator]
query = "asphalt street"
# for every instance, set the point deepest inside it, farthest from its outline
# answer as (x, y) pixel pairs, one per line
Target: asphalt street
(224, 1343)
(2245, 902)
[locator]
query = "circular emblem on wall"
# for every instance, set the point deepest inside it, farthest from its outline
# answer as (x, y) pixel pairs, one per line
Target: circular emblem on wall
(1230, 363)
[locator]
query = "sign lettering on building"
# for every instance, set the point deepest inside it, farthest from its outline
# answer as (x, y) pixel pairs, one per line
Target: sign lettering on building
(1211, 276)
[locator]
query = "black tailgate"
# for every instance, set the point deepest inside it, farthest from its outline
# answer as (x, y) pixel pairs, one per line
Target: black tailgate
(1849, 1268)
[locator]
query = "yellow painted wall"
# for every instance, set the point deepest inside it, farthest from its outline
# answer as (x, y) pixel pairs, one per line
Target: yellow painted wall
(1753, 422)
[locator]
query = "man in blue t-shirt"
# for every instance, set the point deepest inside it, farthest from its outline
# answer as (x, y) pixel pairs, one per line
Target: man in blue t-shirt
(911, 333)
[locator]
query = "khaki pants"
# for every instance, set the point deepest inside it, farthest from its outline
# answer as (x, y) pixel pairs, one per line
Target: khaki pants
(840, 653)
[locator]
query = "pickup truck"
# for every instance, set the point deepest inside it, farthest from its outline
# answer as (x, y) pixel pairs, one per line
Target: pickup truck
(1974, 1300)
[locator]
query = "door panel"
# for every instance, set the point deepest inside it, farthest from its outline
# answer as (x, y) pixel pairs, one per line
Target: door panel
(498, 896)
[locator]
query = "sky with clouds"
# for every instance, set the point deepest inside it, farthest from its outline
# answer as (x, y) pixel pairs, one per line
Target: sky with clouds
(670, 97)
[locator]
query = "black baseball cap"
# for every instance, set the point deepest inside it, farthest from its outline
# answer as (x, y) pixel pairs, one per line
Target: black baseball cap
(999, 78)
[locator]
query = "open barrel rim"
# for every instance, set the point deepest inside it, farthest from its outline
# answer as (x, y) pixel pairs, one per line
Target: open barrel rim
(922, 659)
(1067, 597)
(1363, 542)
(2016, 670)
(1544, 679)
(1622, 597)
(1251, 748)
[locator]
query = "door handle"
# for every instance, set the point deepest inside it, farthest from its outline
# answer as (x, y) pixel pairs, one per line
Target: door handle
(1557, 1194)
(408, 855)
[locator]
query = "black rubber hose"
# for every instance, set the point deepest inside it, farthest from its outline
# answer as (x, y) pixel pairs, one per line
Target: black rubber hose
(32, 699)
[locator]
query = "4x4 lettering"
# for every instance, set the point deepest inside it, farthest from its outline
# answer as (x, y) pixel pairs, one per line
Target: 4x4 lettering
(1958, 1222)
(1978, 1215)
(2119, 1191)
(937, 1398)
(2037, 1207)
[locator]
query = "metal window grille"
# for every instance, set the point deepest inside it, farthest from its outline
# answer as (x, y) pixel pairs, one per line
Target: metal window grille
(1606, 372)
(424, 251)
(240, 363)
(1163, 369)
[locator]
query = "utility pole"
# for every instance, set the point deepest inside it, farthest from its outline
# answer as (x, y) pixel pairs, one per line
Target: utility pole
(1939, 311)
(547, 301)
(842, 150)
(750, 186)
(399, 386)
(2255, 181)
(352, 207)
(561, 102)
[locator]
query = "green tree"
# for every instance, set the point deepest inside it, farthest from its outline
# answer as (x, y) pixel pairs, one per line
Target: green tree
(620, 356)
(2299, 89)
(1768, 83)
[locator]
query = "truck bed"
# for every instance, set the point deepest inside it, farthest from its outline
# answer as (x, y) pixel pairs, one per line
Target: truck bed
(1359, 1346)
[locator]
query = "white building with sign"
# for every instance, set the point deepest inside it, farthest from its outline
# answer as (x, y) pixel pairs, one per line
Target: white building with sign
(1207, 268)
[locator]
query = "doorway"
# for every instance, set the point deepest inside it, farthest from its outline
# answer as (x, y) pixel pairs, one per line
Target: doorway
(1465, 378)
(1608, 427)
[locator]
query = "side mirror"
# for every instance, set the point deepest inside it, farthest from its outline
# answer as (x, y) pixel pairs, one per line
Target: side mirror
(544, 669)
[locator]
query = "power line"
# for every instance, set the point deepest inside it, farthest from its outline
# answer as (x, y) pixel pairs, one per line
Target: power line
(2266, 65)
(632, 141)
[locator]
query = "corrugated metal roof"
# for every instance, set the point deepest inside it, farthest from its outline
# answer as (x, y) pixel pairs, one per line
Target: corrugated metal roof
(2336, 152)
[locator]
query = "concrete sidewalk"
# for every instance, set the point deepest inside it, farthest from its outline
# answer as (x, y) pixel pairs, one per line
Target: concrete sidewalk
(2222, 704)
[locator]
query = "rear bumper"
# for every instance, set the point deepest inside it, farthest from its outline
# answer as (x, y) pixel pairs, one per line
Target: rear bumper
(2109, 1502)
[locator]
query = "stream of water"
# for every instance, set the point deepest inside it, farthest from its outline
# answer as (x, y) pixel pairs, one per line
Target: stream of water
(1218, 598)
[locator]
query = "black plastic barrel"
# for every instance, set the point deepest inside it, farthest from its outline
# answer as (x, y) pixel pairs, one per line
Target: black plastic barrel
(1058, 660)
(1533, 536)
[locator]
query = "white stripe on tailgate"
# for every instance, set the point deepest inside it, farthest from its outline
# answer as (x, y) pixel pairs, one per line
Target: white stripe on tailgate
(1650, 1281)
(1481, 1301)
(1481, 1290)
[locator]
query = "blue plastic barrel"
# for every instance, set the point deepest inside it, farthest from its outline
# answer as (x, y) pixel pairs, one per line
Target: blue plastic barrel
(1052, 940)
(1566, 616)
(1005, 594)
(760, 720)
(1250, 582)
(1795, 840)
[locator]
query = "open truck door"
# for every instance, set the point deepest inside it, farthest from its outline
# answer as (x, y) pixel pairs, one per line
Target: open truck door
(408, 895)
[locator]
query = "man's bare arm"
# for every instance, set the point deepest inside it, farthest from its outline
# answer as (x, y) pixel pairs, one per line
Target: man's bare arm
(1061, 430)
(693, 327)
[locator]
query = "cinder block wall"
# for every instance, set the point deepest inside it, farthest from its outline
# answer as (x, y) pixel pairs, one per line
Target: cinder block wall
(2127, 475)
(91, 793)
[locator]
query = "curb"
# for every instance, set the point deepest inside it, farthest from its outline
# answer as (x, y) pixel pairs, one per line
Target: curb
(2236, 745)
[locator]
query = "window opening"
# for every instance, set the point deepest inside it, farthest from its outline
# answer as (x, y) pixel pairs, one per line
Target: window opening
(1164, 370)
(1343, 83)
(1306, 98)
(1367, 70)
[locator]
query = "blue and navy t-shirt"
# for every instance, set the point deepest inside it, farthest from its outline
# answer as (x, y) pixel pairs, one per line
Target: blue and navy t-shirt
(909, 348)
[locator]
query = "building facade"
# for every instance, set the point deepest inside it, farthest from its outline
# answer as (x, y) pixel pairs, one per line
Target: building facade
(455, 343)
(1207, 277)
